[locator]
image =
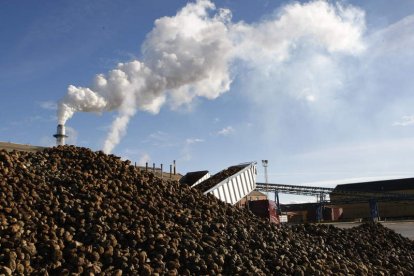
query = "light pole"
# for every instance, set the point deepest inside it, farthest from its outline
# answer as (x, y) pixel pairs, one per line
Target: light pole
(265, 163)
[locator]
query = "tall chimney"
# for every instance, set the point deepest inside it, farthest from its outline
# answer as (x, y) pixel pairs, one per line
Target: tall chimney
(60, 135)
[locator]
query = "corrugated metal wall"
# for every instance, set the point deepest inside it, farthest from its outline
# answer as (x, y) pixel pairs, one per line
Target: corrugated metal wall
(237, 186)
(205, 177)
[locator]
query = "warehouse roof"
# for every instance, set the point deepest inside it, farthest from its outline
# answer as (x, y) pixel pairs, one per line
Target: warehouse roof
(379, 186)
(256, 193)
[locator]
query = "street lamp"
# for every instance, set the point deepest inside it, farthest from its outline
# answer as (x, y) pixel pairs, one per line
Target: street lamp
(265, 163)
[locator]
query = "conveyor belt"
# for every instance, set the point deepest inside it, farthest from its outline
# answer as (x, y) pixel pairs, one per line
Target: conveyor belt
(318, 191)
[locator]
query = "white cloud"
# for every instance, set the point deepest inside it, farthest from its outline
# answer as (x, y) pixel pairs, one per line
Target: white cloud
(370, 159)
(143, 159)
(317, 98)
(335, 28)
(48, 105)
(405, 121)
(159, 136)
(186, 152)
(226, 131)
(396, 39)
(35, 119)
(72, 136)
(192, 54)
(47, 141)
(193, 141)
(160, 139)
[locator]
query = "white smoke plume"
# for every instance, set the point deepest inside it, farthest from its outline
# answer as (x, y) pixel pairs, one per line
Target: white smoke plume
(190, 55)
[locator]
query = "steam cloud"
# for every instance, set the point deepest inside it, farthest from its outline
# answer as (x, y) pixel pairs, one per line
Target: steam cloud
(190, 55)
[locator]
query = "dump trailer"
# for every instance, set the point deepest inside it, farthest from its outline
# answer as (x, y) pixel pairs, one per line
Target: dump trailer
(264, 209)
(230, 185)
(194, 178)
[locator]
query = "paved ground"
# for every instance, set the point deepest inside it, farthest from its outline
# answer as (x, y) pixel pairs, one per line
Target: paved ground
(405, 228)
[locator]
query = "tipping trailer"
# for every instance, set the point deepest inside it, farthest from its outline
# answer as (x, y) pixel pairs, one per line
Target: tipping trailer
(232, 184)
(194, 178)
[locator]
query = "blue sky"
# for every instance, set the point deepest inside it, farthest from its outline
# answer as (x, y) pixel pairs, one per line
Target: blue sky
(323, 90)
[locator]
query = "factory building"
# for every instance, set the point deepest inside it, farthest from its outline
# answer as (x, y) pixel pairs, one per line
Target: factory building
(356, 204)
(308, 212)
(252, 196)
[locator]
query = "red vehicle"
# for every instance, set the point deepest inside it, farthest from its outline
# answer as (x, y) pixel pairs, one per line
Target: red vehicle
(265, 209)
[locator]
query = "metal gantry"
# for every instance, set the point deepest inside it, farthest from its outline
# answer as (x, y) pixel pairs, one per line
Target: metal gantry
(347, 196)
(322, 192)
(294, 189)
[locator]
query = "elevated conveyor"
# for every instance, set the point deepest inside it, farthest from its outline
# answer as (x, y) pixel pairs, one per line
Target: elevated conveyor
(351, 195)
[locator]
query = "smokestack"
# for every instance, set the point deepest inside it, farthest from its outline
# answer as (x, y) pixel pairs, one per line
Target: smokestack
(60, 135)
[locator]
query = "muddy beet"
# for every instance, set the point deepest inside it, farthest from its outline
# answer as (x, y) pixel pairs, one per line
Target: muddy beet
(70, 210)
(217, 178)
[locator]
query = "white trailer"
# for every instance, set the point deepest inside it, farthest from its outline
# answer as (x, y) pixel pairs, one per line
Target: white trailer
(235, 187)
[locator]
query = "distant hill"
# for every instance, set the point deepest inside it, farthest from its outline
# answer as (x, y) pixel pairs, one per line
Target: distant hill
(11, 146)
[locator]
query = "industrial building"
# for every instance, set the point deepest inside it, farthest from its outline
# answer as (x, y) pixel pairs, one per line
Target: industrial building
(308, 212)
(389, 198)
(254, 195)
(367, 200)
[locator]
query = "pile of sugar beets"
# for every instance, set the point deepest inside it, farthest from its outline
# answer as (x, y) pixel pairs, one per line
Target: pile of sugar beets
(68, 211)
(217, 178)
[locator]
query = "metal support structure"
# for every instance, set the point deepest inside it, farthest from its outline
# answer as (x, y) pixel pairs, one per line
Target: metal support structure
(321, 199)
(317, 191)
(348, 196)
(279, 210)
(319, 212)
(373, 206)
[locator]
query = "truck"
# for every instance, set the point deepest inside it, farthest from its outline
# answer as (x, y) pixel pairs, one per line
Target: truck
(229, 185)
(265, 209)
